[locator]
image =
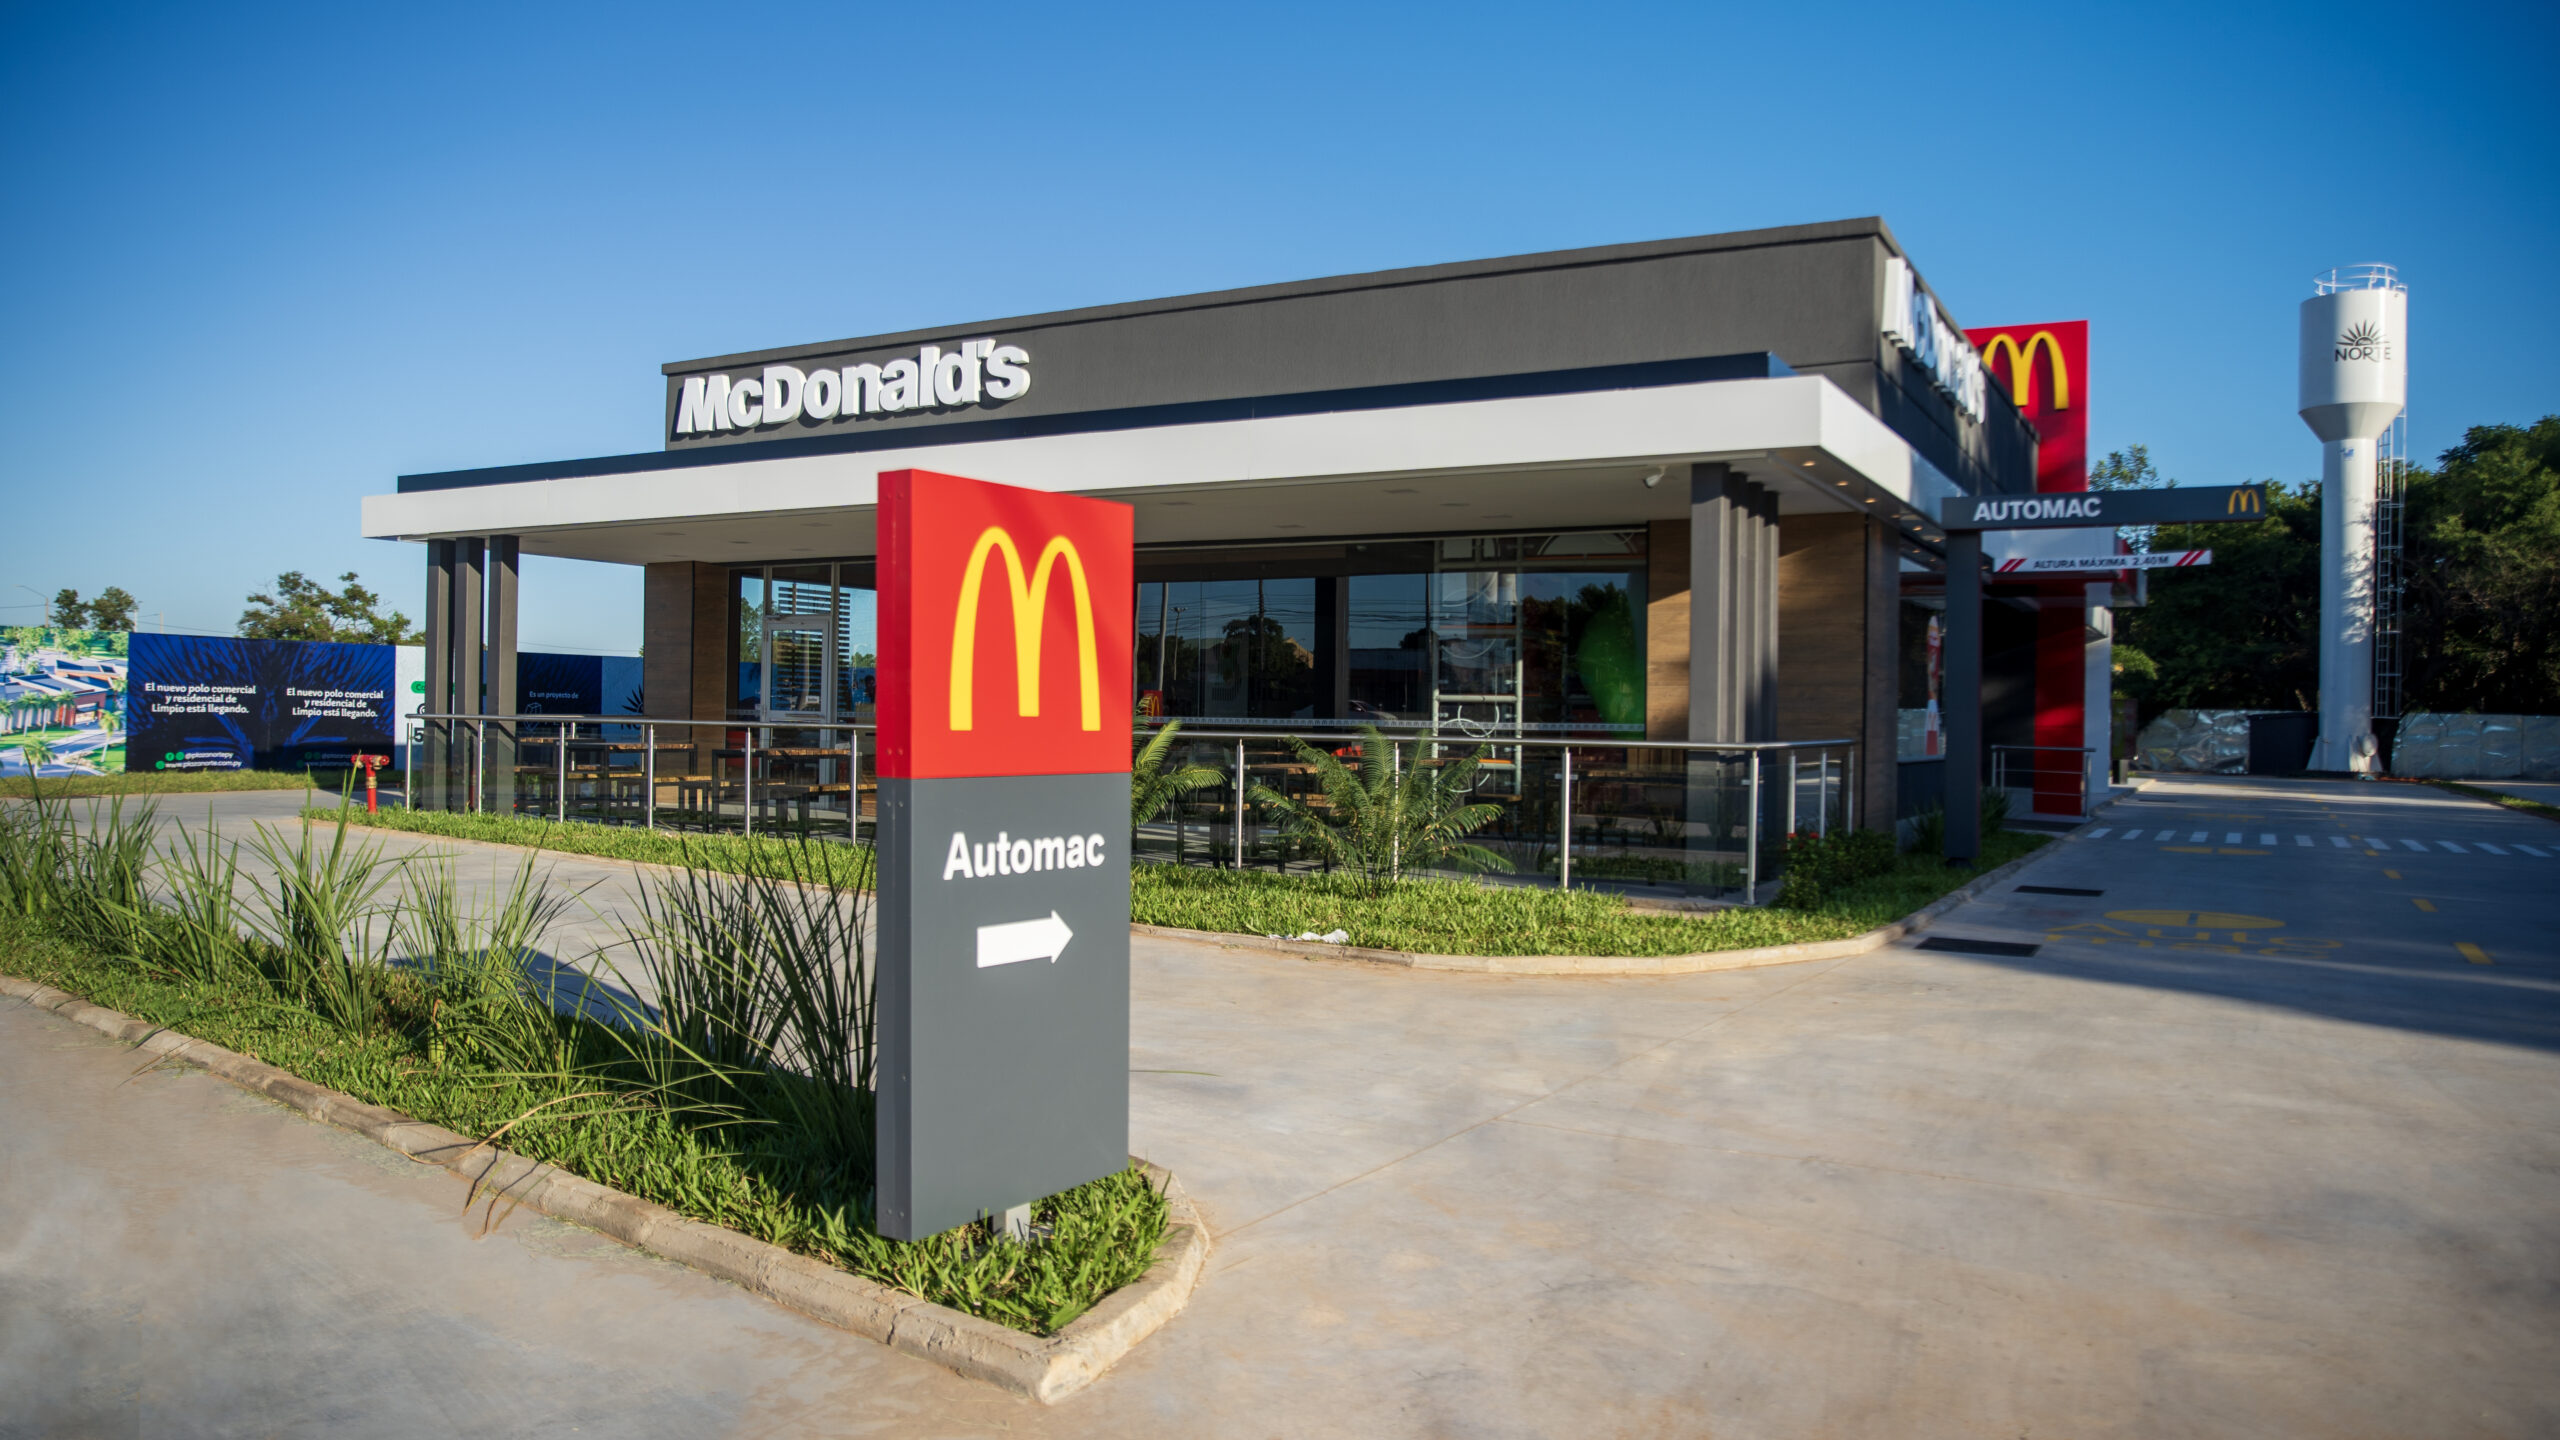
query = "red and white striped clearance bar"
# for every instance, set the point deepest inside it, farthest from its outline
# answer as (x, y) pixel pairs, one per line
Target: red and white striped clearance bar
(2056, 564)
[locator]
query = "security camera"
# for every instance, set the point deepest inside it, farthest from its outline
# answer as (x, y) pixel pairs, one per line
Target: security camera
(1654, 479)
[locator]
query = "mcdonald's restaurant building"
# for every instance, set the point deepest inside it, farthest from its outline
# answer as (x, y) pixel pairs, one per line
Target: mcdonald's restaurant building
(1673, 490)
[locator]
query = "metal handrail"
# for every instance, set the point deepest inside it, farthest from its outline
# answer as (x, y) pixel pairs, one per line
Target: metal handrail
(2079, 773)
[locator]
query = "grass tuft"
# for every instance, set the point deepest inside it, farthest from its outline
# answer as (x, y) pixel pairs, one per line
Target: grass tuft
(157, 782)
(2499, 797)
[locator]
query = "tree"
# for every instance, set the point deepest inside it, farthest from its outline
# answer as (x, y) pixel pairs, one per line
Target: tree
(2129, 469)
(69, 611)
(2241, 633)
(112, 610)
(300, 609)
(2481, 614)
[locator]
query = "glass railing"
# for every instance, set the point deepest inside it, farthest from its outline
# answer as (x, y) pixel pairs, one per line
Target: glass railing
(1662, 819)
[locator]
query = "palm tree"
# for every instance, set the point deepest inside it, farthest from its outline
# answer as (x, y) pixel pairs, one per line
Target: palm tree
(1152, 787)
(39, 752)
(1391, 813)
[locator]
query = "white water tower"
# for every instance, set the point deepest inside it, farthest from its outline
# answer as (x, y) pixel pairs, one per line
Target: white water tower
(2355, 381)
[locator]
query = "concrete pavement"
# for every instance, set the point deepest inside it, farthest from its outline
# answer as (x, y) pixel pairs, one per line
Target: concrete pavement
(2248, 1144)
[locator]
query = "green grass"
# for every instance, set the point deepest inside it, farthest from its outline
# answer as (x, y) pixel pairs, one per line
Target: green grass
(750, 1178)
(728, 854)
(1458, 918)
(1442, 917)
(2499, 797)
(154, 782)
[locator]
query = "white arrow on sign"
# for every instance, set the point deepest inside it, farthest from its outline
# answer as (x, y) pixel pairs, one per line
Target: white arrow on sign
(1042, 939)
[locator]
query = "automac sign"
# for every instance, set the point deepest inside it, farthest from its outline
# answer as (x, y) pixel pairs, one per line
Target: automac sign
(1005, 645)
(977, 372)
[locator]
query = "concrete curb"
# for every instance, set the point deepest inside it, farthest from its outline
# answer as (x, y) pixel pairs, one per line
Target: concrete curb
(1629, 965)
(1047, 1369)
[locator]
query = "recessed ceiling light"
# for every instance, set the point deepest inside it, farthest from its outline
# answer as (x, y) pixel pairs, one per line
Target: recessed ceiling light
(1871, 499)
(1808, 464)
(1404, 492)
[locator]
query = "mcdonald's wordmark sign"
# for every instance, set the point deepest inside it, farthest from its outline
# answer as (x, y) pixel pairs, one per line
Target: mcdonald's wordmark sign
(2201, 505)
(1003, 1019)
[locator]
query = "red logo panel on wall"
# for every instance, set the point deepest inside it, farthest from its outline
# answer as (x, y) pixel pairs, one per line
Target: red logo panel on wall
(1005, 629)
(2045, 369)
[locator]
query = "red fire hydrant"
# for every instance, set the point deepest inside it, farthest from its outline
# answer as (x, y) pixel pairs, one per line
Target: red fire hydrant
(371, 764)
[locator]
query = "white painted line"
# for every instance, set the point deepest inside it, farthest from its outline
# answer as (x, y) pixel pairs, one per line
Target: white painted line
(2231, 839)
(2338, 840)
(2485, 845)
(2266, 839)
(2101, 832)
(2196, 839)
(1008, 944)
(2172, 835)
(2529, 850)
(2456, 849)
(2414, 845)
(2302, 840)
(2133, 834)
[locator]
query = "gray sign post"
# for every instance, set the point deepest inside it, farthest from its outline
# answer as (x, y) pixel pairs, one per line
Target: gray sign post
(1965, 518)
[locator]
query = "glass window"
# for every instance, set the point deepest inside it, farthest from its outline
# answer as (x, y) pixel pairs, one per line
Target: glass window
(1390, 631)
(1230, 648)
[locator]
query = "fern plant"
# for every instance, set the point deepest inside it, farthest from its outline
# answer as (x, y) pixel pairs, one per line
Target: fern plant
(1390, 815)
(1152, 786)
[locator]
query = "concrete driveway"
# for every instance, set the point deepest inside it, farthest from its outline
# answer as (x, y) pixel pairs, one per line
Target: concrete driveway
(2248, 1143)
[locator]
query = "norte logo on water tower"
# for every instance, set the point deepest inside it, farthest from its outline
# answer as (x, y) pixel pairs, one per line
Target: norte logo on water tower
(2363, 341)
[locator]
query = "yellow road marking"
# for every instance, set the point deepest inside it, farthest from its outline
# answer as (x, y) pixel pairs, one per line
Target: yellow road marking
(2422, 904)
(2190, 849)
(2473, 953)
(2196, 919)
(2391, 874)
(2229, 850)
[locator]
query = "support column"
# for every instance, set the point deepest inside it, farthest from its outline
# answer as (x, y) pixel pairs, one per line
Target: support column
(1764, 580)
(1962, 696)
(469, 669)
(1333, 647)
(1713, 598)
(2098, 704)
(431, 788)
(504, 744)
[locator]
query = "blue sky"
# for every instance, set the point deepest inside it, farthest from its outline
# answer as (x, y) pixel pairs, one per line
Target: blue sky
(261, 262)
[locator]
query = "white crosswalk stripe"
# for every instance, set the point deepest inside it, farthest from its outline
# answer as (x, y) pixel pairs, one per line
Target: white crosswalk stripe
(2101, 832)
(2369, 844)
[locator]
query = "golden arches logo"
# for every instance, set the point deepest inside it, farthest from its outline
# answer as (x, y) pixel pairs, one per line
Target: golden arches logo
(1030, 595)
(2247, 500)
(2022, 367)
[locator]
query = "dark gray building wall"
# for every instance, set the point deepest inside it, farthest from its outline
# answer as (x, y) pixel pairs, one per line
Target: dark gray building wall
(1810, 294)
